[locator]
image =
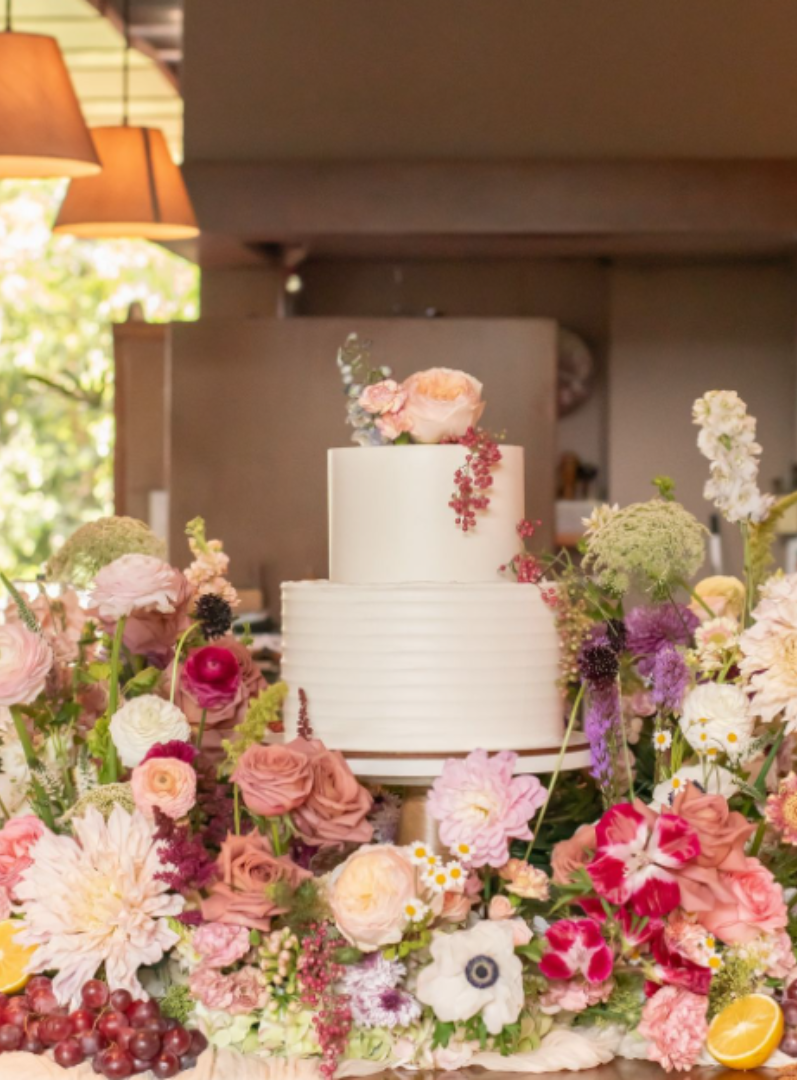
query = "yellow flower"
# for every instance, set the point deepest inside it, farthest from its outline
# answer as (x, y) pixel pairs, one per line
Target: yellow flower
(723, 595)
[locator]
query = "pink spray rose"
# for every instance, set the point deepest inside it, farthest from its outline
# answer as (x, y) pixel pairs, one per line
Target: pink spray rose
(757, 906)
(25, 662)
(211, 676)
(166, 783)
(273, 779)
(221, 945)
(441, 404)
(17, 837)
(500, 907)
(368, 894)
(336, 808)
(674, 1021)
(383, 397)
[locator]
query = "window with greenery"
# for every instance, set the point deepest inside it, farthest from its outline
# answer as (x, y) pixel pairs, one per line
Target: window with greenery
(58, 298)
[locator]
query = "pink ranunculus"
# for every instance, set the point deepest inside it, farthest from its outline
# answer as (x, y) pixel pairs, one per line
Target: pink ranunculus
(221, 945)
(247, 868)
(757, 906)
(165, 783)
(132, 583)
(17, 838)
(383, 398)
(477, 801)
(220, 721)
(273, 779)
(576, 947)
(574, 995)
(25, 662)
(442, 404)
(154, 633)
(368, 893)
(674, 1022)
(634, 861)
(334, 812)
(211, 675)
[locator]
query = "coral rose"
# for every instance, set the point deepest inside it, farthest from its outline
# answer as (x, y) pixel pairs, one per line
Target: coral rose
(722, 832)
(441, 404)
(17, 837)
(337, 805)
(211, 676)
(273, 779)
(757, 906)
(367, 895)
(166, 783)
(248, 869)
(25, 662)
(573, 854)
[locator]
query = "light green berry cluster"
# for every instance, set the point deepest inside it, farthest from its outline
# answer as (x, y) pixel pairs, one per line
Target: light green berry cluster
(278, 955)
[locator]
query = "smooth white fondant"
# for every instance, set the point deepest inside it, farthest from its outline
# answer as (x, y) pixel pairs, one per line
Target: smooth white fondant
(423, 670)
(389, 518)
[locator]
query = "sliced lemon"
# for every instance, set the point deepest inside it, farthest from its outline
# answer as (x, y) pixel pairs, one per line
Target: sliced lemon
(746, 1032)
(14, 958)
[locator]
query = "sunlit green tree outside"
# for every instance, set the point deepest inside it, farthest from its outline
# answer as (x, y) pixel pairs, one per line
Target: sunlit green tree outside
(58, 299)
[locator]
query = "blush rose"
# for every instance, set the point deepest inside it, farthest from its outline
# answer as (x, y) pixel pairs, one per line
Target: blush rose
(273, 779)
(757, 906)
(441, 404)
(367, 895)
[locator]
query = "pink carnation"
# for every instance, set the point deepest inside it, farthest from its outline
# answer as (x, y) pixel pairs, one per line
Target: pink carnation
(478, 802)
(221, 945)
(674, 1022)
(242, 992)
(25, 662)
(574, 995)
(17, 837)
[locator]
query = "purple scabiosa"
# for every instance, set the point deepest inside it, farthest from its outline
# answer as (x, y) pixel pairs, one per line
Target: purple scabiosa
(651, 628)
(670, 679)
(616, 635)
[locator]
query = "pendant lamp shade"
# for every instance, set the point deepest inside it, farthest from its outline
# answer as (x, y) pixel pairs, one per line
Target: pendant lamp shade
(42, 130)
(139, 193)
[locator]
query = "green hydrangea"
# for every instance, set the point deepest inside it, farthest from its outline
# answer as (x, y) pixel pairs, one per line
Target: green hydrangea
(655, 546)
(98, 543)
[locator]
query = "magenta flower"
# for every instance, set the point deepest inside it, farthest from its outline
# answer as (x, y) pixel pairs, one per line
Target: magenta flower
(175, 748)
(212, 676)
(576, 947)
(634, 862)
(478, 802)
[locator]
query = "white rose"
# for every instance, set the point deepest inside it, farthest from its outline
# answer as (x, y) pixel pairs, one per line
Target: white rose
(142, 723)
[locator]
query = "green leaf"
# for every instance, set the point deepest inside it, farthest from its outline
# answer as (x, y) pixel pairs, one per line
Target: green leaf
(441, 1036)
(533, 951)
(143, 683)
(97, 671)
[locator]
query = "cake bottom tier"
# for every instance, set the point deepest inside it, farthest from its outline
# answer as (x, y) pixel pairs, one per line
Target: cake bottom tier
(401, 677)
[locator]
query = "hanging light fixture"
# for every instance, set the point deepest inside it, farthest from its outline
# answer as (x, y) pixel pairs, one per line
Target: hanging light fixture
(140, 191)
(42, 130)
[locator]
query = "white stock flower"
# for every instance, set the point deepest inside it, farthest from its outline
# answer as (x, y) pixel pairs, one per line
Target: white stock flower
(474, 971)
(142, 723)
(769, 651)
(717, 716)
(727, 439)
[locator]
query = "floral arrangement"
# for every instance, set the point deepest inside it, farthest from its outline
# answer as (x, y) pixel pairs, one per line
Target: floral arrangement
(177, 880)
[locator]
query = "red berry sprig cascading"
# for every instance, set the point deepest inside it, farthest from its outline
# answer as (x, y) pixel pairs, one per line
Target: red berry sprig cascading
(473, 479)
(318, 972)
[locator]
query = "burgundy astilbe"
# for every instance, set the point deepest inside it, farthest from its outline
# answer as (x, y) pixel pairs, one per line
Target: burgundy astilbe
(215, 803)
(183, 751)
(187, 866)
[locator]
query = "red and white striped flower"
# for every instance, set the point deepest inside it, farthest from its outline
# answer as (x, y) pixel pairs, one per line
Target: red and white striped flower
(633, 863)
(576, 947)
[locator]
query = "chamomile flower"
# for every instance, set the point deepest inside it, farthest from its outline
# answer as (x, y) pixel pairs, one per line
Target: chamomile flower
(462, 851)
(420, 853)
(457, 874)
(662, 740)
(415, 910)
(438, 879)
(715, 962)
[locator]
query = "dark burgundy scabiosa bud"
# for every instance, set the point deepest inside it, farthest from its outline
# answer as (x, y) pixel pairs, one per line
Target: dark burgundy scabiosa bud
(598, 664)
(214, 615)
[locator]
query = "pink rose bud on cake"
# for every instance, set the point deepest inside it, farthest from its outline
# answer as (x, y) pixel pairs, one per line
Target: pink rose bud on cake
(442, 404)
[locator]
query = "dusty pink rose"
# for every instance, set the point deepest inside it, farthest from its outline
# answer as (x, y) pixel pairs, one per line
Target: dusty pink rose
(220, 944)
(383, 397)
(500, 907)
(220, 721)
(166, 783)
(674, 1022)
(722, 832)
(155, 633)
(242, 992)
(17, 837)
(61, 619)
(336, 808)
(442, 404)
(273, 779)
(25, 662)
(367, 895)
(135, 583)
(211, 675)
(574, 995)
(247, 868)
(757, 906)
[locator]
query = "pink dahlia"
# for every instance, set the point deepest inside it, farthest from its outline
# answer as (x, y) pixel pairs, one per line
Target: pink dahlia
(576, 947)
(781, 809)
(674, 1022)
(478, 802)
(634, 861)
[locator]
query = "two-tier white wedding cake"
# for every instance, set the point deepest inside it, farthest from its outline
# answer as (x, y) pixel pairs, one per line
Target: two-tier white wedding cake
(417, 649)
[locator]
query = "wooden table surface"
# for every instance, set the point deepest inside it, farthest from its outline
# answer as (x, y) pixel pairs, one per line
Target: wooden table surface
(619, 1069)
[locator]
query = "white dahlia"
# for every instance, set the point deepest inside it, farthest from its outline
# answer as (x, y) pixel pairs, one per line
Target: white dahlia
(95, 900)
(769, 651)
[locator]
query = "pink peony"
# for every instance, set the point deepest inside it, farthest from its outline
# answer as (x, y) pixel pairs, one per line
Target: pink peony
(674, 1022)
(441, 404)
(273, 779)
(25, 662)
(135, 583)
(368, 893)
(576, 947)
(574, 996)
(166, 783)
(478, 802)
(17, 837)
(383, 397)
(211, 676)
(221, 945)
(757, 906)
(334, 812)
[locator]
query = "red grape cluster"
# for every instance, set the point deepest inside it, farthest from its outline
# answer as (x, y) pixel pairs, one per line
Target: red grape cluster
(121, 1037)
(788, 1043)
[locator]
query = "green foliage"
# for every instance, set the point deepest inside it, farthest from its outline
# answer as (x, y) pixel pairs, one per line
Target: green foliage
(177, 1003)
(58, 299)
(665, 485)
(736, 978)
(261, 716)
(144, 682)
(624, 1006)
(25, 614)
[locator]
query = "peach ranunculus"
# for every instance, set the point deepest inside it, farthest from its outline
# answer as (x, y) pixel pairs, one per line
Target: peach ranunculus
(441, 404)
(273, 779)
(247, 869)
(166, 783)
(757, 906)
(25, 662)
(17, 837)
(336, 808)
(573, 854)
(368, 893)
(722, 832)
